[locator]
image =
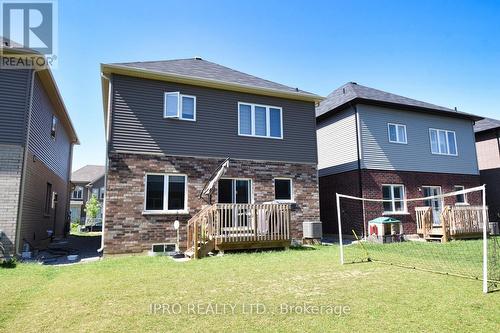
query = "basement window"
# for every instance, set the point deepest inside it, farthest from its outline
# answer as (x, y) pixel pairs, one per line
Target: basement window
(179, 106)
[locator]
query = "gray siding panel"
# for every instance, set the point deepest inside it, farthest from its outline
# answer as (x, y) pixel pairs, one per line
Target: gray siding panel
(337, 151)
(14, 100)
(138, 124)
(53, 153)
(378, 153)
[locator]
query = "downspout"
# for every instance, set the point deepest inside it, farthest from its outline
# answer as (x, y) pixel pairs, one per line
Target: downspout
(360, 178)
(25, 162)
(108, 124)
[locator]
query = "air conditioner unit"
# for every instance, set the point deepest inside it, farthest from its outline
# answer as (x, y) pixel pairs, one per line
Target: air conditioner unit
(312, 230)
(162, 249)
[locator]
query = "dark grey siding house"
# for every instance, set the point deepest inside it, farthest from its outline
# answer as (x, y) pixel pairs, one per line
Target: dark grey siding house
(36, 143)
(86, 182)
(488, 155)
(378, 145)
(171, 123)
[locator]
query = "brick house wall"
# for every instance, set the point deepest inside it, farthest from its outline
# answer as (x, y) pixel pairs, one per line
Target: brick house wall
(127, 229)
(372, 181)
(11, 160)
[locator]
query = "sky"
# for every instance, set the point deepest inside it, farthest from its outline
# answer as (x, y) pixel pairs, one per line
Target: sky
(442, 52)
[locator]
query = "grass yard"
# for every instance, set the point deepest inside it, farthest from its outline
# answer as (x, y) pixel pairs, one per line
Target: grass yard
(116, 294)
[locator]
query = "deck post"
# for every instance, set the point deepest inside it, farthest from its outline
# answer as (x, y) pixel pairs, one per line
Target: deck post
(195, 239)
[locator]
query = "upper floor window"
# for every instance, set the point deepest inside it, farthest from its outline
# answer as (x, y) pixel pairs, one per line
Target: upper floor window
(397, 133)
(53, 127)
(461, 199)
(443, 142)
(179, 106)
(101, 193)
(48, 199)
(260, 120)
(166, 193)
(283, 189)
(77, 193)
(394, 194)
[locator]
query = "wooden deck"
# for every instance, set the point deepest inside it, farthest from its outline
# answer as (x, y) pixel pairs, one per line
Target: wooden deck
(238, 226)
(456, 222)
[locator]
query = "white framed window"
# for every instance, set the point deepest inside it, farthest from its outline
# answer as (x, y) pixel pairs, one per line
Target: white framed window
(460, 199)
(395, 193)
(77, 193)
(165, 193)
(397, 133)
(101, 193)
(443, 142)
(53, 127)
(283, 190)
(234, 190)
(95, 192)
(260, 120)
(179, 106)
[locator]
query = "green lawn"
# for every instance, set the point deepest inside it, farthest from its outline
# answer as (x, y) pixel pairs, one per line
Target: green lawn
(115, 294)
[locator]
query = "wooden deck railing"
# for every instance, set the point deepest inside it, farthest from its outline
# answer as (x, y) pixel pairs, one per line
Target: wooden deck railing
(455, 221)
(424, 220)
(225, 224)
(251, 222)
(466, 220)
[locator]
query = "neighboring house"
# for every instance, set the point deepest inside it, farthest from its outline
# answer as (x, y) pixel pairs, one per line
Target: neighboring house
(488, 155)
(378, 145)
(36, 144)
(86, 182)
(170, 124)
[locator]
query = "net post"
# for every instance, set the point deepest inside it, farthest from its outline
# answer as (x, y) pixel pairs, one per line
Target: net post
(337, 197)
(485, 242)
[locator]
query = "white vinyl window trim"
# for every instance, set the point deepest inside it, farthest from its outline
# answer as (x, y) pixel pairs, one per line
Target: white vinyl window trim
(439, 142)
(233, 194)
(77, 193)
(399, 139)
(291, 190)
(268, 120)
(165, 195)
(393, 210)
(180, 98)
(460, 188)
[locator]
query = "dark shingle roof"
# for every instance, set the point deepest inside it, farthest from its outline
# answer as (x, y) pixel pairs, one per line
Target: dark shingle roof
(203, 69)
(352, 92)
(87, 174)
(486, 124)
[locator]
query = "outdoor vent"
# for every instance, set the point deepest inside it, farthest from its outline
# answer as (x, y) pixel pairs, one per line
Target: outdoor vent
(162, 249)
(312, 230)
(197, 58)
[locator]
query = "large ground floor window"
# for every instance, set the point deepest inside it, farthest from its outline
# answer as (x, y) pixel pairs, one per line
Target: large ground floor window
(166, 192)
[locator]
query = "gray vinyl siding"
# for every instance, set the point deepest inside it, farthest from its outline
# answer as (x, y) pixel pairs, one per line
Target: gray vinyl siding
(337, 144)
(53, 153)
(138, 124)
(14, 101)
(378, 153)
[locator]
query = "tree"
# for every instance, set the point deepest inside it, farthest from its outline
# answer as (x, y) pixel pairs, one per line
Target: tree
(92, 208)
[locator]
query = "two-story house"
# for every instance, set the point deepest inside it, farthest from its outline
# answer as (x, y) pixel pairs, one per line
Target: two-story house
(378, 145)
(86, 182)
(488, 156)
(36, 144)
(170, 126)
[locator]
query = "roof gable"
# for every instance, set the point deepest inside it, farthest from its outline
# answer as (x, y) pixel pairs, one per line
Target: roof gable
(354, 93)
(486, 124)
(87, 174)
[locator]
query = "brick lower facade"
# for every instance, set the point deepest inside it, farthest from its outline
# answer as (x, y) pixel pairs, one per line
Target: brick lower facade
(11, 161)
(128, 230)
(355, 215)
